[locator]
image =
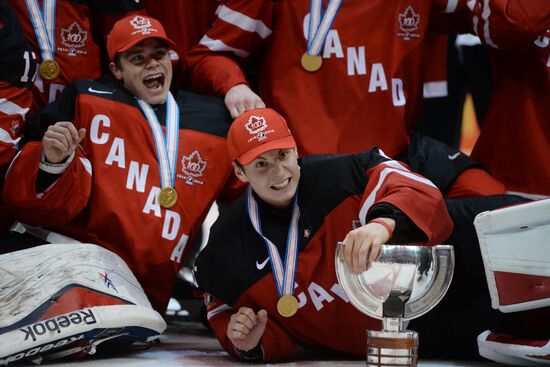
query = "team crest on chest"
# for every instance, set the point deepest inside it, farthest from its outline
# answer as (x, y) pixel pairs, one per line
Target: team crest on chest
(409, 22)
(73, 40)
(192, 167)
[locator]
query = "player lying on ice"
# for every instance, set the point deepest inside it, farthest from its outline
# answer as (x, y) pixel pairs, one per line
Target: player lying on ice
(279, 240)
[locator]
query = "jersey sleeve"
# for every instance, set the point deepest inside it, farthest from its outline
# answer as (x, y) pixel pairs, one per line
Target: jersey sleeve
(240, 28)
(276, 344)
(17, 70)
(504, 24)
(60, 202)
(392, 182)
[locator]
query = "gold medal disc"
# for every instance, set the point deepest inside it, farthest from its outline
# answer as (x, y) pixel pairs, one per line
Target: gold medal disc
(168, 197)
(49, 69)
(287, 306)
(311, 63)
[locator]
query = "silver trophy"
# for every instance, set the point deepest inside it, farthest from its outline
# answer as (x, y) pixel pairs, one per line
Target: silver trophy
(405, 282)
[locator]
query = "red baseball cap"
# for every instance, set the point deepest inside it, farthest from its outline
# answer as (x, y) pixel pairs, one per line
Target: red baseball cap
(256, 132)
(129, 31)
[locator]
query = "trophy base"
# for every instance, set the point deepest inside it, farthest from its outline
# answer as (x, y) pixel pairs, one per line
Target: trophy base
(392, 349)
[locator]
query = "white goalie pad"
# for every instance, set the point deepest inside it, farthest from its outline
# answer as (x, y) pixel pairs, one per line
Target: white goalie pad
(64, 299)
(515, 246)
(515, 352)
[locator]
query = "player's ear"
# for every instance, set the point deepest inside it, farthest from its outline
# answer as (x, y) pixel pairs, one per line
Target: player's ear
(117, 72)
(239, 172)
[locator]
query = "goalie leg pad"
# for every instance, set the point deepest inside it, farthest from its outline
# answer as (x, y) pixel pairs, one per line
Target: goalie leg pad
(69, 297)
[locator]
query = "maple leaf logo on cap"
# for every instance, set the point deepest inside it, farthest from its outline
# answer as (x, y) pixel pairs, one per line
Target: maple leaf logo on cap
(140, 23)
(255, 124)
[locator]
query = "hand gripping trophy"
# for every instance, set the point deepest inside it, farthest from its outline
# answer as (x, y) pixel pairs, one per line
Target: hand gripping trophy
(405, 282)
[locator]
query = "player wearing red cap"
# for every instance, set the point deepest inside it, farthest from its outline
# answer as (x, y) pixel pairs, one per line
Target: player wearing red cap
(302, 209)
(268, 268)
(117, 163)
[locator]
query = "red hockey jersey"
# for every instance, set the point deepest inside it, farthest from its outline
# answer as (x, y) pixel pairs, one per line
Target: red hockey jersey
(80, 31)
(17, 68)
(108, 195)
(514, 143)
(369, 88)
(185, 22)
(334, 196)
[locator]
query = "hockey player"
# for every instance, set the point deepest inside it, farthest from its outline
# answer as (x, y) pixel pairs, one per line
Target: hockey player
(284, 230)
(263, 304)
(17, 69)
(348, 76)
(67, 37)
(117, 167)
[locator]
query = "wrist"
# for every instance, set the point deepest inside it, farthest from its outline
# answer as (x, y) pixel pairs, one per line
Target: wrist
(385, 224)
(55, 168)
(254, 354)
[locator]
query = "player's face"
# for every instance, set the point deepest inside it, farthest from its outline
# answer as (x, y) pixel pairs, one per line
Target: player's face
(274, 176)
(146, 70)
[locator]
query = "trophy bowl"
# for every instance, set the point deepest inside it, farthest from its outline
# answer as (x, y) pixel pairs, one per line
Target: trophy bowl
(403, 283)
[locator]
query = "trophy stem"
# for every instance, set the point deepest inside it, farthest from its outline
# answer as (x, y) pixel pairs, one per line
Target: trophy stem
(392, 349)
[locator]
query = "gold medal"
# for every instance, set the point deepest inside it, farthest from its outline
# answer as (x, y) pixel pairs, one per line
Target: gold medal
(168, 197)
(287, 306)
(311, 63)
(49, 69)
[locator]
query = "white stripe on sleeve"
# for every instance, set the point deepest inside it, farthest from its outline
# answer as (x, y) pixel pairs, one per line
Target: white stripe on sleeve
(243, 21)
(218, 310)
(219, 46)
(372, 196)
(10, 108)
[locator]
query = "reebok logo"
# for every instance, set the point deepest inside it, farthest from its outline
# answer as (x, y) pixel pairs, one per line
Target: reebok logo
(452, 157)
(57, 323)
(92, 90)
(262, 265)
(40, 349)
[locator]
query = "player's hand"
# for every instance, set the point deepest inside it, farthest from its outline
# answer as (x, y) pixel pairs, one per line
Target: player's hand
(241, 98)
(61, 140)
(363, 245)
(245, 328)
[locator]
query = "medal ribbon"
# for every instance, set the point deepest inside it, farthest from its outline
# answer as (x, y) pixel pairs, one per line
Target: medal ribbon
(43, 23)
(320, 24)
(284, 274)
(167, 147)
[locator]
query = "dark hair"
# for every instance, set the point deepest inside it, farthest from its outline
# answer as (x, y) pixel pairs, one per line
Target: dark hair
(117, 61)
(239, 165)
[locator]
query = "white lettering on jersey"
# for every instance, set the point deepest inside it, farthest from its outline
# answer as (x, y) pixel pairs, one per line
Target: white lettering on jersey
(332, 45)
(137, 175)
(97, 121)
(377, 78)
(339, 291)
(542, 42)
(397, 93)
(117, 154)
(171, 225)
(318, 294)
(152, 204)
(55, 91)
(356, 60)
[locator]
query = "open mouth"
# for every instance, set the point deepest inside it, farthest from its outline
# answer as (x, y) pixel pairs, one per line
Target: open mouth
(281, 185)
(154, 82)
